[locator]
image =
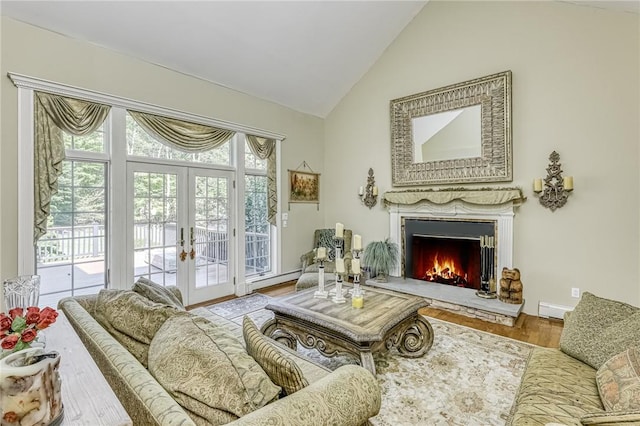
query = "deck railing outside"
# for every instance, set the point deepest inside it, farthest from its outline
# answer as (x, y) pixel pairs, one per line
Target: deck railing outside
(64, 243)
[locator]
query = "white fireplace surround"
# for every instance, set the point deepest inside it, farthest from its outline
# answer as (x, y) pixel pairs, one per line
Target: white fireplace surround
(500, 214)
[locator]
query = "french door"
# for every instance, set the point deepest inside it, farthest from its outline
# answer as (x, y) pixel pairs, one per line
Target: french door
(180, 228)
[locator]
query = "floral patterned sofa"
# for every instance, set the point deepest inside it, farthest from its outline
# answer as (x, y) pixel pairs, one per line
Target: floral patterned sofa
(593, 378)
(349, 395)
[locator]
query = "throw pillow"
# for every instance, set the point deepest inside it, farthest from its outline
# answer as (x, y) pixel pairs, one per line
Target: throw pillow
(619, 381)
(207, 370)
(157, 293)
(280, 368)
(599, 328)
(131, 319)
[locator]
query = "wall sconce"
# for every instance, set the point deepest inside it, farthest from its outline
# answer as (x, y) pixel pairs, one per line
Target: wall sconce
(556, 188)
(369, 194)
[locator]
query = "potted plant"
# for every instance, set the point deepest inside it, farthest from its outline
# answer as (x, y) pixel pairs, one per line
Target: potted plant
(380, 257)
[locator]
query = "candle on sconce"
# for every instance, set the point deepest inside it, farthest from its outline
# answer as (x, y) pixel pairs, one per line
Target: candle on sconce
(355, 266)
(568, 183)
(361, 190)
(322, 253)
(357, 242)
(537, 185)
(340, 266)
(374, 191)
(339, 230)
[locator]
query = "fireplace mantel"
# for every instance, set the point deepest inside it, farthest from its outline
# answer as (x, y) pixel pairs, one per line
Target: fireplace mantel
(486, 204)
(484, 196)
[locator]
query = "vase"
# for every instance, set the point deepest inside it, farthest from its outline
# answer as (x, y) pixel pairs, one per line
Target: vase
(30, 393)
(39, 342)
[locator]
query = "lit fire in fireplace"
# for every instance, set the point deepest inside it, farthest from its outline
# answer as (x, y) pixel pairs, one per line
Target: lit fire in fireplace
(444, 271)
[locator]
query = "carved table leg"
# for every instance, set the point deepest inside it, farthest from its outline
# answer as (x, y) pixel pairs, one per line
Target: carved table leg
(271, 329)
(413, 339)
(366, 361)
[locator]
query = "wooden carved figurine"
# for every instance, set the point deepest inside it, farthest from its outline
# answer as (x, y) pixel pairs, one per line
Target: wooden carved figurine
(511, 286)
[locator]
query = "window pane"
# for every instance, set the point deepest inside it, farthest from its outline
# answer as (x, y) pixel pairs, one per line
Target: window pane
(71, 255)
(93, 142)
(257, 228)
(142, 144)
(251, 161)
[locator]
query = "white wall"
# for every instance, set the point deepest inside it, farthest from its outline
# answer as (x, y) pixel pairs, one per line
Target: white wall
(575, 90)
(35, 52)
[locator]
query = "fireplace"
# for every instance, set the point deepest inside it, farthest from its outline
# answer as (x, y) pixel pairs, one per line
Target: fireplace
(452, 261)
(462, 214)
(447, 251)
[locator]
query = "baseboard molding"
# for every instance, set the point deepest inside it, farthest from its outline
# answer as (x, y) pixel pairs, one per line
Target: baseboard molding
(273, 280)
(550, 310)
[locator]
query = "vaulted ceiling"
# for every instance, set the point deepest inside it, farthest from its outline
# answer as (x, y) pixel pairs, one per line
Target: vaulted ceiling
(305, 55)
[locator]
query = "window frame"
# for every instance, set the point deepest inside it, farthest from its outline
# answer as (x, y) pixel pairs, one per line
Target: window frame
(117, 158)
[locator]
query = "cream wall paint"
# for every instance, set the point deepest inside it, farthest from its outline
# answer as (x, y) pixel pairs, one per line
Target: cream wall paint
(575, 90)
(39, 53)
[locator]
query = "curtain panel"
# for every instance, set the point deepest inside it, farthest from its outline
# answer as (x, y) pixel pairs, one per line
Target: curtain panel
(182, 135)
(264, 148)
(53, 115)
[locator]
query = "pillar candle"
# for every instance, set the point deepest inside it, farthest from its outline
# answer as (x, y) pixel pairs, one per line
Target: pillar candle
(360, 190)
(340, 266)
(355, 266)
(537, 185)
(322, 253)
(375, 190)
(339, 230)
(568, 182)
(357, 302)
(357, 242)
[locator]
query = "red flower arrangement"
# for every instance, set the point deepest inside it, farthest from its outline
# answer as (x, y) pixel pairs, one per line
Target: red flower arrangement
(19, 329)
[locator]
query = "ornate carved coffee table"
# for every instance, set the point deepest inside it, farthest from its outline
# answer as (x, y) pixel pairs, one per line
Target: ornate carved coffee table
(387, 320)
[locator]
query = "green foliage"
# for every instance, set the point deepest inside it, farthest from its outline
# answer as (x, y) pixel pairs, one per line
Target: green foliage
(381, 256)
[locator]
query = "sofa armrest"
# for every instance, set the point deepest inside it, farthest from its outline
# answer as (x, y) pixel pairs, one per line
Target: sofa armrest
(348, 397)
(631, 417)
(146, 402)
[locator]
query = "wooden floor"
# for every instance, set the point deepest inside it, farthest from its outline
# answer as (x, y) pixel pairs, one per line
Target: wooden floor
(528, 328)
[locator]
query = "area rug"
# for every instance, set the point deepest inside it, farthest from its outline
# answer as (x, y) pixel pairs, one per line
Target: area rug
(468, 377)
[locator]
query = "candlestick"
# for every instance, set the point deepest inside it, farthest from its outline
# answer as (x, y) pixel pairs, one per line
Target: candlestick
(357, 242)
(321, 293)
(355, 266)
(338, 297)
(340, 266)
(339, 230)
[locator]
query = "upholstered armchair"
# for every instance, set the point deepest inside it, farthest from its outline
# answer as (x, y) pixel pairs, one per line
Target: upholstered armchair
(324, 238)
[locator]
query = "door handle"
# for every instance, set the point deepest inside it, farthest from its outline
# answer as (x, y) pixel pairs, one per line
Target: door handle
(192, 253)
(183, 254)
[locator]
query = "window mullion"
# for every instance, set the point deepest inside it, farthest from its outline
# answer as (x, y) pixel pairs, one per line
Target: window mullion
(239, 145)
(119, 258)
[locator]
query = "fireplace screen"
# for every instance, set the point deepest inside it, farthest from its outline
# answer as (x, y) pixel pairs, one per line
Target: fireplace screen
(452, 261)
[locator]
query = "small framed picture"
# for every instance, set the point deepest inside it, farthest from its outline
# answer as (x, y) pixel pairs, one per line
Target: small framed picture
(304, 187)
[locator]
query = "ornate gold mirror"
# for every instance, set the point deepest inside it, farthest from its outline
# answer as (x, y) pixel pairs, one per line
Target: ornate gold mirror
(456, 134)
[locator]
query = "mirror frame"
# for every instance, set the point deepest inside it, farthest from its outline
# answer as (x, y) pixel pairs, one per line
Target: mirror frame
(493, 94)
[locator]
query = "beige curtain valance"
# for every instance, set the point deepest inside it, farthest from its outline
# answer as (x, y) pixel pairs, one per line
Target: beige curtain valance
(53, 115)
(490, 196)
(264, 148)
(182, 135)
